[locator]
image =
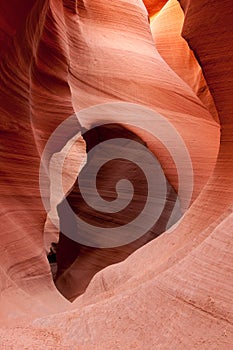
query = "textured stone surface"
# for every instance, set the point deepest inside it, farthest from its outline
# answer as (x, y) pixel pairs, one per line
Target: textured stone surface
(176, 291)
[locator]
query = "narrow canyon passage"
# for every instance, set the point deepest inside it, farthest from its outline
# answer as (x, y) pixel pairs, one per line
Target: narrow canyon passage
(63, 59)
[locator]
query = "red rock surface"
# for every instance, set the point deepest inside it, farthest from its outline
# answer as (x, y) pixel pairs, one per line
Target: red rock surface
(176, 291)
(166, 30)
(153, 7)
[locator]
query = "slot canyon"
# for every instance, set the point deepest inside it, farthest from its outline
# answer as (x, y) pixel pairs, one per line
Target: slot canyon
(116, 123)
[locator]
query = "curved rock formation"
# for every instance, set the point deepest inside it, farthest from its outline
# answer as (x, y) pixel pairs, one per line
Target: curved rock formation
(153, 7)
(166, 30)
(174, 292)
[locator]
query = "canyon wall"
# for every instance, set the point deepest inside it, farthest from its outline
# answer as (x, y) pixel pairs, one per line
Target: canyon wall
(59, 58)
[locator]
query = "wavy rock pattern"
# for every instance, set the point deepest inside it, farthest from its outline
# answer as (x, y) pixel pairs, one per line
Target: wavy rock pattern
(60, 57)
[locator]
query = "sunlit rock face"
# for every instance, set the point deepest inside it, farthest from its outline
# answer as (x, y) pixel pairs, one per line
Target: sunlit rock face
(58, 58)
(153, 7)
(166, 29)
